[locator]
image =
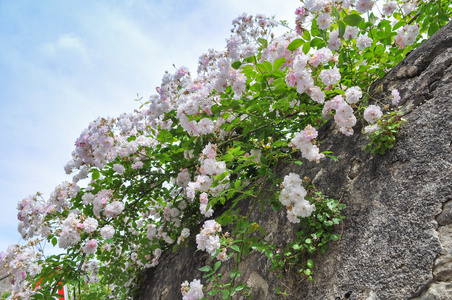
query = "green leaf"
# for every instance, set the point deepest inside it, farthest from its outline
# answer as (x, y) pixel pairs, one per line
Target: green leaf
(336, 13)
(332, 157)
(165, 136)
(263, 42)
(335, 236)
(316, 43)
(228, 157)
(205, 269)
(296, 246)
(331, 204)
(261, 230)
(306, 47)
(310, 263)
(252, 228)
(432, 29)
(225, 294)
(235, 247)
(213, 292)
(95, 175)
(341, 28)
(238, 288)
(295, 44)
(278, 63)
(236, 65)
(54, 241)
(237, 184)
(277, 74)
(398, 25)
(307, 35)
(352, 20)
(267, 66)
(443, 17)
(217, 265)
(235, 273)
(221, 176)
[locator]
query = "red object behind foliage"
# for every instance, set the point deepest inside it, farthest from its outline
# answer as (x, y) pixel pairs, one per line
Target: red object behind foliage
(60, 292)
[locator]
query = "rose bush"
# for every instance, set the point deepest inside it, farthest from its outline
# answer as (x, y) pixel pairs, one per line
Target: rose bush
(204, 142)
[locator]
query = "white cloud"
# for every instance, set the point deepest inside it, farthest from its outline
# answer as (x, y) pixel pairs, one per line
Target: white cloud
(69, 41)
(65, 42)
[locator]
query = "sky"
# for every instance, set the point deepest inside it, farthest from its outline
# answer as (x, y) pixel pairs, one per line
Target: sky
(65, 63)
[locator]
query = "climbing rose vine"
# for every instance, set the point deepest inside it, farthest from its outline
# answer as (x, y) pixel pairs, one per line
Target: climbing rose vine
(154, 179)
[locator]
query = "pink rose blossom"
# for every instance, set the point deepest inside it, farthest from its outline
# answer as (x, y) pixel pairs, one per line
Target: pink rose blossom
(395, 97)
(372, 113)
(90, 247)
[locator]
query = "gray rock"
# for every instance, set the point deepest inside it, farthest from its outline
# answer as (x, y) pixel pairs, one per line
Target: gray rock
(391, 246)
(437, 291)
(442, 270)
(445, 217)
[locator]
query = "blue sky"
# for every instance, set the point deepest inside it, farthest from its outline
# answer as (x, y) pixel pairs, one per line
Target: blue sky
(64, 63)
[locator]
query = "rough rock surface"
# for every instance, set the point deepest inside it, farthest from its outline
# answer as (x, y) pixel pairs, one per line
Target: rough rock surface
(397, 236)
(5, 285)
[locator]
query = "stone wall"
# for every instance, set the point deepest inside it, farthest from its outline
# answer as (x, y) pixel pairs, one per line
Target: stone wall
(397, 236)
(5, 284)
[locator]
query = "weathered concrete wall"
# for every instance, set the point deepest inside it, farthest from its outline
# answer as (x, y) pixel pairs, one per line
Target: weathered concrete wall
(397, 235)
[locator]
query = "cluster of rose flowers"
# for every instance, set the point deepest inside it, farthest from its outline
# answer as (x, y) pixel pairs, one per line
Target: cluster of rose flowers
(192, 290)
(303, 141)
(91, 269)
(208, 240)
(292, 196)
(20, 261)
(108, 138)
(31, 217)
(209, 168)
(108, 142)
(300, 68)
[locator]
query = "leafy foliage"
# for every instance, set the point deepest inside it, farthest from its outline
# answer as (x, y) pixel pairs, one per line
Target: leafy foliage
(212, 145)
(383, 139)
